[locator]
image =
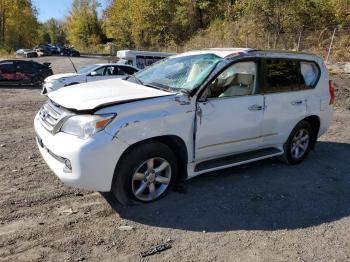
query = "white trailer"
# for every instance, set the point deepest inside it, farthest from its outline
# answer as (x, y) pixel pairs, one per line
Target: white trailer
(140, 59)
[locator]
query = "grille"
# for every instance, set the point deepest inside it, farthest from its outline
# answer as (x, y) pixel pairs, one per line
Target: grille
(52, 116)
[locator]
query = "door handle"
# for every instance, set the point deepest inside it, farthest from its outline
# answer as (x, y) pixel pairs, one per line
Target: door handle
(297, 102)
(255, 108)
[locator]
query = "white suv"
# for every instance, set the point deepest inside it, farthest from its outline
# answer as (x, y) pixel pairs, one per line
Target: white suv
(192, 113)
(89, 73)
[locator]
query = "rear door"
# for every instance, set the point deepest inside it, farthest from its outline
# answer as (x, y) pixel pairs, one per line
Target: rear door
(26, 72)
(284, 99)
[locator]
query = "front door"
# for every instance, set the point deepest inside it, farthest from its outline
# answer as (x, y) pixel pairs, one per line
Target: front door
(229, 120)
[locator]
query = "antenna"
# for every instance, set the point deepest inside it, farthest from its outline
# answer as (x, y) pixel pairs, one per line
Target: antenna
(76, 71)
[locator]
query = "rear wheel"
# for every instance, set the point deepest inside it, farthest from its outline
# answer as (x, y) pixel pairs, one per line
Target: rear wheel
(298, 144)
(145, 174)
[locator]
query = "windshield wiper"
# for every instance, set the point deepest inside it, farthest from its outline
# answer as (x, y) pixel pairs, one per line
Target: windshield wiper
(163, 87)
(159, 88)
(134, 77)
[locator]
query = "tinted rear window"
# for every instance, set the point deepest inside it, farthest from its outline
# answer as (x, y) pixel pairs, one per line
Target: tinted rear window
(280, 76)
(286, 75)
(127, 70)
(26, 67)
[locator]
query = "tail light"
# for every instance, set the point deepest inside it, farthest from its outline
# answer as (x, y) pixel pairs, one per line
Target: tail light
(331, 92)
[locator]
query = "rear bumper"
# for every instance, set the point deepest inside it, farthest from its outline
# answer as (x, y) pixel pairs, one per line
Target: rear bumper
(326, 120)
(92, 161)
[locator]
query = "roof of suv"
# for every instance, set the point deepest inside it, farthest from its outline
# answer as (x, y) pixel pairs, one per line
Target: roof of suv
(225, 52)
(287, 54)
(222, 52)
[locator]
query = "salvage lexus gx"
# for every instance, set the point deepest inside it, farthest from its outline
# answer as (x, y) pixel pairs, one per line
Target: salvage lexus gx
(186, 115)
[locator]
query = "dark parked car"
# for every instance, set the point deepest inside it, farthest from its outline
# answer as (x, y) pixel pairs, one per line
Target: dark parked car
(69, 52)
(55, 49)
(21, 72)
(26, 53)
(42, 52)
(47, 48)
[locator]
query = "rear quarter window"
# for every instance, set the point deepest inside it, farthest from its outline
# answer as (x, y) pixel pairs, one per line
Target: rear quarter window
(310, 74)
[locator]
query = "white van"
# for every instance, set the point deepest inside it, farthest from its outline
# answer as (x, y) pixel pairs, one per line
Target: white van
(140, 59)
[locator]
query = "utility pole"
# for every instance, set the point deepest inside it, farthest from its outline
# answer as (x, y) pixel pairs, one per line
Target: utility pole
(330, 46)
(299, 40)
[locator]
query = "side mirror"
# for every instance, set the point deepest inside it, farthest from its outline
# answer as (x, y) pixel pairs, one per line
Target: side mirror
(203, 98)
(93, 73)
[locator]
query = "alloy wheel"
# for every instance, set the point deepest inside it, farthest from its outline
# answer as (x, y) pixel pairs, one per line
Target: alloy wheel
(151, 179)
(300, 143)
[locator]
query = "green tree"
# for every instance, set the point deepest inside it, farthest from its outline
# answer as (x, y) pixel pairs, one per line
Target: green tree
(18, 25)
(83, 26)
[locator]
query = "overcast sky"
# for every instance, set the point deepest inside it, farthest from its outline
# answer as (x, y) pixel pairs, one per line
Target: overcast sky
(54, 8)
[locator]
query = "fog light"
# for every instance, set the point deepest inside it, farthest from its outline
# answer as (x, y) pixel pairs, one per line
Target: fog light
(68, 166)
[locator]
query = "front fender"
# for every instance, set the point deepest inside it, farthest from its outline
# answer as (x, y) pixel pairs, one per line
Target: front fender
(174, 120)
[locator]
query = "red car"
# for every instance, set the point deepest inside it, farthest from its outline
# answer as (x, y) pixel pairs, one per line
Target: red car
(21, 72)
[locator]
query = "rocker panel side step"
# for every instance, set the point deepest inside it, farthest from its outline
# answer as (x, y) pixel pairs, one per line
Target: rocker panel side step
(237, 158)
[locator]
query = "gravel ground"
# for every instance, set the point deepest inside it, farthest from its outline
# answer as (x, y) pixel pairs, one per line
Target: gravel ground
(265, 211)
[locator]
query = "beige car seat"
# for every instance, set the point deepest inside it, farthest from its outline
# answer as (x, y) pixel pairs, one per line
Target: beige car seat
(241, 85)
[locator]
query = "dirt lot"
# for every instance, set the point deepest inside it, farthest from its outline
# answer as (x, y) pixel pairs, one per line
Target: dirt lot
(266, 211)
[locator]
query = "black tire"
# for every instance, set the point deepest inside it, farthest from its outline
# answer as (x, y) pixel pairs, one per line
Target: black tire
(288, 156)
(122, 185)
(37, 81)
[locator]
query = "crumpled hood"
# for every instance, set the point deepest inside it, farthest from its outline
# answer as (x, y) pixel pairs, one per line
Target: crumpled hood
(58, 76)
(88, 96)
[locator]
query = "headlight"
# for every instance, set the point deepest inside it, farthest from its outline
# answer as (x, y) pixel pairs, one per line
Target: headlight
(85, 126)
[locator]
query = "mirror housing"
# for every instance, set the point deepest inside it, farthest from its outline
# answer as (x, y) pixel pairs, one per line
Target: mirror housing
(204, 96)
(93, 73)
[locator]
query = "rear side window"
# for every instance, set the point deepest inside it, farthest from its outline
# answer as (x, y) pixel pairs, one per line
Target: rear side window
(280, 76)
(128, 70)
(310, 73)
(26, 67)
(287, 75)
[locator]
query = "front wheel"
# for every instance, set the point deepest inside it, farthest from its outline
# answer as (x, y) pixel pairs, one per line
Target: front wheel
(298, 144)
(145, 173)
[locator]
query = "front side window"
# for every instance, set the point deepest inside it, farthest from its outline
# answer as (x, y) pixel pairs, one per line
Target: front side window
(281, 75)
(100, 71)
(87, 69)
(237, 80)
(181, 72)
